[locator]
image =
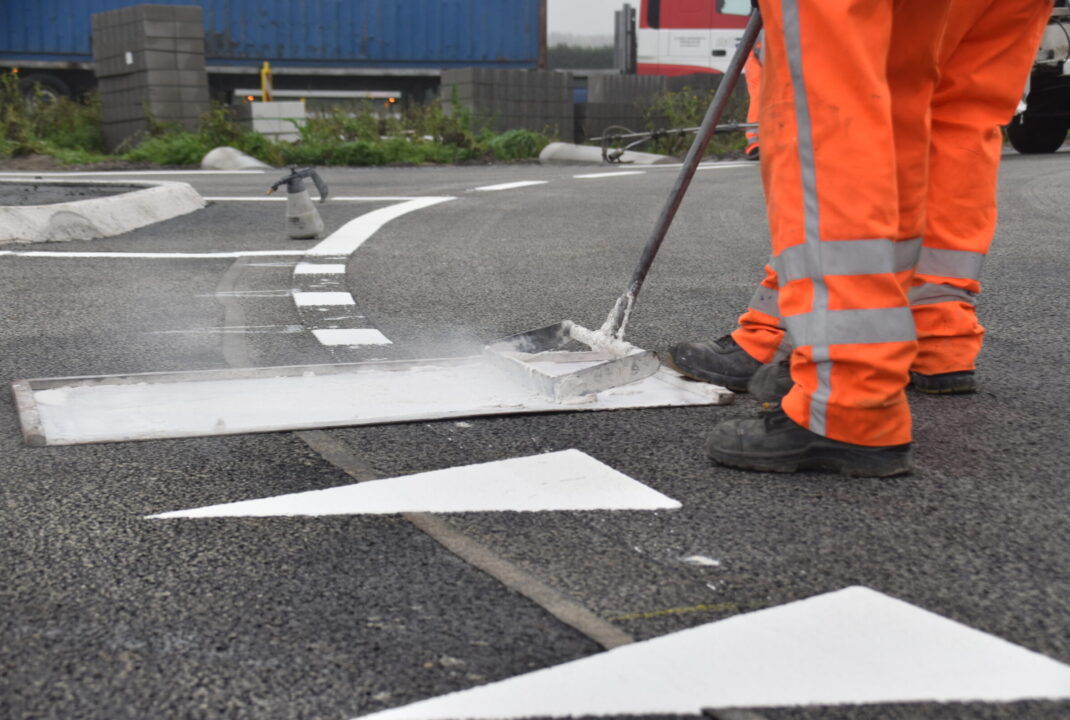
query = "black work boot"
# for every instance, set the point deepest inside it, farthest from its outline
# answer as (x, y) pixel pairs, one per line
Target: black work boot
(952, 383)
(773, 442)
(771, 382)
(722, 362)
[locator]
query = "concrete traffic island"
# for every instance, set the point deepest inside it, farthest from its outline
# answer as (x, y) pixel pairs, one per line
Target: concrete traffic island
(559, 153)
(59, 210)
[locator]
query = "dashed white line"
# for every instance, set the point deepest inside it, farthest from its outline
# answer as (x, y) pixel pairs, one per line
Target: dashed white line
(322, 299)
(319, 269)
(351, 336)
(618, 173)
(510, 185)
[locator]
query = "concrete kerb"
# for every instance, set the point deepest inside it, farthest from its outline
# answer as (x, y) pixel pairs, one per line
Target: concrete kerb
(568, 154)
(96, 217)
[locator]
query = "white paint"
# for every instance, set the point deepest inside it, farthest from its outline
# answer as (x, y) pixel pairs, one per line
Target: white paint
(237, 330)
(158, 405)
(713, 165)
(566, 480)
(701, 560)
(616, 173)
(352, 337)
(322, 299)
(332, 198)
(346, 239)
(319, 269)
(853, 646)
(123, 173)
(510, 185)
(149, 256)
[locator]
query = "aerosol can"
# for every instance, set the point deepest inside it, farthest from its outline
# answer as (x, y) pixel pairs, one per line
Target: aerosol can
(302, 220)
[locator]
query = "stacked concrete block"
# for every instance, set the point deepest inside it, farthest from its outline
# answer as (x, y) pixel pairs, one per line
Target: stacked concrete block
(627, 101)
(276, 120)
(504, 100)
(149, 59)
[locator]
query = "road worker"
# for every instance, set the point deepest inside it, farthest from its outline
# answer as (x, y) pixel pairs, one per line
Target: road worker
(880, 150)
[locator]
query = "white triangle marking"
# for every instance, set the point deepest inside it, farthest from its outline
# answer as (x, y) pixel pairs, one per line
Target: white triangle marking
(853, 646)
(566, 480)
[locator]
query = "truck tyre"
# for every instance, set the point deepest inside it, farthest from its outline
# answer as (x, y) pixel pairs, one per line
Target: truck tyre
(1036, 135)
(52, 88)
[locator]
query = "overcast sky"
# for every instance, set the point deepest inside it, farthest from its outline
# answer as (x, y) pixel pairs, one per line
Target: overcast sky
(582, 17)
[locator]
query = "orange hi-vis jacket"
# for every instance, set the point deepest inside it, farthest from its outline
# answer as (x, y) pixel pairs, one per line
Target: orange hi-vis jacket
(880, 151)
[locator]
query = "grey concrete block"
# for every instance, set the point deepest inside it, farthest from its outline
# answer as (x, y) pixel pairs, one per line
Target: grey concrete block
(189, 62)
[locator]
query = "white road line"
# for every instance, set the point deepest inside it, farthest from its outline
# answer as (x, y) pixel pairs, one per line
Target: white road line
(566, 480)
(282, 198)
(510, 186)
(346, 239)
(709, 165)
(322, 299)
(353, 337)
(618, 173)
(150, 256)
(853, 646)
(319, 269)
(119, 173)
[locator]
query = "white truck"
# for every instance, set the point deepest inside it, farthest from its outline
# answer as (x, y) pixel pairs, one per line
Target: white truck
(1043, 119)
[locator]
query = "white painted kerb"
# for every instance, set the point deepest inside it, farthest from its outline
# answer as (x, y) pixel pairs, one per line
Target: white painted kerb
(97, 217)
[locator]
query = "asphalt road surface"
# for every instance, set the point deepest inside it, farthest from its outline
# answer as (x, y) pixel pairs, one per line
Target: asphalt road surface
(107, 614)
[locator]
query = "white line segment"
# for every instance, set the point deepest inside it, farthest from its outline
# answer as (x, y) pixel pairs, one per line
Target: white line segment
(346, 239)
(322, 299)
(121, 173)
(618, 173)
(319, 269)
(353, 337)
(566, 480)
(149, 256)
(853, 646)
(282, 198)
(510, 185)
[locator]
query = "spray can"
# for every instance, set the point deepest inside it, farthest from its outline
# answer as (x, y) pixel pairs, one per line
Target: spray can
(302, 220)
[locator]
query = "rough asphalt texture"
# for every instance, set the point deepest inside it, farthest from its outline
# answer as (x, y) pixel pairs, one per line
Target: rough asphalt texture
(108, 615)
(31, 193)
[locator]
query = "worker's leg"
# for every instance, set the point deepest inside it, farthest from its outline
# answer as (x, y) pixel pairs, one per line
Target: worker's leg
(988, 50)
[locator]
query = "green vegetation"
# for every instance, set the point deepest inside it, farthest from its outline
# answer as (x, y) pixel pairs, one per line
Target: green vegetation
(685, 109)
(64, 129)
(70, 132)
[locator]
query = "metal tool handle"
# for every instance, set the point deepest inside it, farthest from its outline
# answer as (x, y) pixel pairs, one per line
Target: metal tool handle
(618, 317)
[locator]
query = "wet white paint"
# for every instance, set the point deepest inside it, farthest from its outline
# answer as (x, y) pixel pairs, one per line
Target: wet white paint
(149, 256)
(618, 173)
(566, 480)
(350, 336)
(700, 560)
(510, 185)
(853, 646)
(322, 299)
(346, 239)
(213, 403)
(319, 269)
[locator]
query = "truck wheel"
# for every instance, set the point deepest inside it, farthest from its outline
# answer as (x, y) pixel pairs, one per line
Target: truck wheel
(1036, 135)
(52, 88)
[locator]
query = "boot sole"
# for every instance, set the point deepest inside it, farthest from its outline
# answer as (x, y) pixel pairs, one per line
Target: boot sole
(852, 463)
(735, 384)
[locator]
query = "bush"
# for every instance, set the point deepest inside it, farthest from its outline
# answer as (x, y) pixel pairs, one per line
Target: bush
(686, 108)
(62, 128)
(517, 145)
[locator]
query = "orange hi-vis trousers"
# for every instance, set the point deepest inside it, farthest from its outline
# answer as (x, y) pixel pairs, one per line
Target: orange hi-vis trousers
(880, 149)
(752, 73)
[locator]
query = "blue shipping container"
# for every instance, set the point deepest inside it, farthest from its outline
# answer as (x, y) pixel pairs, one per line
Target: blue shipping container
(304, 33)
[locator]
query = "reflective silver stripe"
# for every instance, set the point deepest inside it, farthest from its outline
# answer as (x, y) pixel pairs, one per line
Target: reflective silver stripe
(766, 300)
(950, 263)
(816, 330)
(851, 327)
(847, 257)
(932, 293)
